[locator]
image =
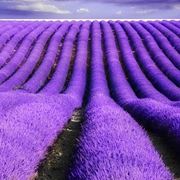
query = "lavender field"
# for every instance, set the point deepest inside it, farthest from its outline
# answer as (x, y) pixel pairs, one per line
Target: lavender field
(123, 76)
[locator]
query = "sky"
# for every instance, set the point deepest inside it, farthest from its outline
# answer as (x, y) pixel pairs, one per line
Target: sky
(90, 9)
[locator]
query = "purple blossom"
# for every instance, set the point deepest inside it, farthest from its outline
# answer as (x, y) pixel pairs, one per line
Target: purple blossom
(112, 145)
(132, 82)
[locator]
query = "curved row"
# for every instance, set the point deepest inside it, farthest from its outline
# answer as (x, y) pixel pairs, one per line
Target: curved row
(161, 60)
(5, 37)
(40, 75)
(77, 84)
(176, 23)
(163, 42)
(112, 145)
(157, 78)
(161, 118)
(140, 83)
(172, 27)
(44, 79)
(22, 52)
(37, 119)
(17, 79)
(56, 83)
(172, 37)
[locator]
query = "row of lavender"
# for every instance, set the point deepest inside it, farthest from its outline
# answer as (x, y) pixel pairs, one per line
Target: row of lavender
(134, 67)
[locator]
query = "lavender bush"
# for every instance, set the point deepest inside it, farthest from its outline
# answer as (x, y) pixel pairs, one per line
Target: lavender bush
(31, 122)
(33, 85)
(125, 75)
(112, 145)
(164, 44)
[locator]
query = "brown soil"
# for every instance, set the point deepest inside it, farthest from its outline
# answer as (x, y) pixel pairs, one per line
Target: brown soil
(56, 164)
(58, 160)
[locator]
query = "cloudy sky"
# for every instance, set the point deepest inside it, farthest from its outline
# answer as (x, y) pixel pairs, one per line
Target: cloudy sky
(83, 9)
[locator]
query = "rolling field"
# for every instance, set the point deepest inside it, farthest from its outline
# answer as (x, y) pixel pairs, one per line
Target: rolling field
(93, 100)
